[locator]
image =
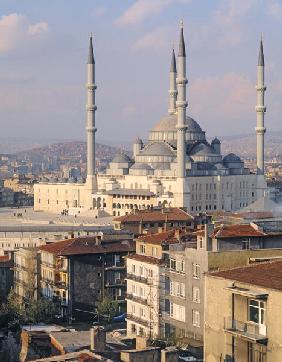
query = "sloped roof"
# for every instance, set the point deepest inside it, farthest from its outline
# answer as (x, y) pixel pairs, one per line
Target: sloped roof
(86, 245)
(171, 214)
(238, 230)
(266, 275)
(167, 237)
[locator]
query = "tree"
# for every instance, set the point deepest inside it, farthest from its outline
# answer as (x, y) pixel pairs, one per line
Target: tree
(16, 312)
(11, 350)
(107, 308)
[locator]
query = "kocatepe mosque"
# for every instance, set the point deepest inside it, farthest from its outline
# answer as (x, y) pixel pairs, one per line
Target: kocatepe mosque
(176, 167)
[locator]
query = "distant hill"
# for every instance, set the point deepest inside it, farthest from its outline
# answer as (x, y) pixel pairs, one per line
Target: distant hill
(69, 150)
(243, 145)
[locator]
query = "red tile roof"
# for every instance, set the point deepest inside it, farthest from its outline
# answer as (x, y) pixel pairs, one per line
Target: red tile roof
(87, 245)
(237, 230)
(267, 275)
(146, 259)
(171, 214)
(167, 237)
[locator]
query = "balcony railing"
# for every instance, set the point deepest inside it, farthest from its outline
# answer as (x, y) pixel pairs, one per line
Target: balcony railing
(139, 278)
(116, 283)
(61, 285)
(111, 266)
(136, 299)
(138, 320)
(247, 330)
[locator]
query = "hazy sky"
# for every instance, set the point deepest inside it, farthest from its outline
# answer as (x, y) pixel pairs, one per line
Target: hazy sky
(43, 53)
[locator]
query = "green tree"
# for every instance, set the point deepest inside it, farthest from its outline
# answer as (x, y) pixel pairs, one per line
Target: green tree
(40, 311)
(107, 308)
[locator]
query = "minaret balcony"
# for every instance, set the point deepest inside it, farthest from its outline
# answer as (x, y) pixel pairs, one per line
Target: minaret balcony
(260, 130)
(261, 88)
(91, 108)
(261, 109)
(181, 80)
(181, 104)
(91, 86)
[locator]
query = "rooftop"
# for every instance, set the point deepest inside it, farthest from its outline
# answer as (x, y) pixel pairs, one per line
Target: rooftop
(238, 230)
(171, 214)
(87, 245)
(146, 259)
(166, 237)
(267, 275)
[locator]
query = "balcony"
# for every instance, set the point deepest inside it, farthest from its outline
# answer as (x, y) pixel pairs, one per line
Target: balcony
(114, 266)
(115, 283)
(61, 285)
(246, 330)
(136, 299)
(138, 320)
(139, 278)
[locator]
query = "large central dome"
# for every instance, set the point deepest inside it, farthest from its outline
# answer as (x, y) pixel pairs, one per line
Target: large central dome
(169, 122)
(165, 130)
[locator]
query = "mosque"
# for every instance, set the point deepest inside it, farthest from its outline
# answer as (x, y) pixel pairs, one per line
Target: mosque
(176, 167)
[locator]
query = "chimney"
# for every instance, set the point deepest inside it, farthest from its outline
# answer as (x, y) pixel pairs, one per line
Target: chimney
(141, 343)
(177, 234)
(209, 227)
(97, 339)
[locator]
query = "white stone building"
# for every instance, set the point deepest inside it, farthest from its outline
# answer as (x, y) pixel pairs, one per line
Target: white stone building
(176, 167)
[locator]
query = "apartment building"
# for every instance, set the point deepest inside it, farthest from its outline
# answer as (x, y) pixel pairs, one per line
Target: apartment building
(146, 282)
(78, 273)
(27, 273)
(243, 313)
(216, 249)
(154, 220)
(6, 276)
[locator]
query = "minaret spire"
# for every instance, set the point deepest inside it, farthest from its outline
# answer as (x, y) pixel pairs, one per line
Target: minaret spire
(181, 105)
(90, 53)
(91, 180)
(172, 85)
(260, 109)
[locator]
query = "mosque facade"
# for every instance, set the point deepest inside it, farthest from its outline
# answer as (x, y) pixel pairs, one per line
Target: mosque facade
(176, 167)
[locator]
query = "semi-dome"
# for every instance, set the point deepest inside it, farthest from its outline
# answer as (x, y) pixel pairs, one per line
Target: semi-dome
(231, 157)
(158, 149)
(121, 158)
(169, 122)
(202, 149)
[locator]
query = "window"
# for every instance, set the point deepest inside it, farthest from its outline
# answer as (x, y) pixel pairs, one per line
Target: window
(257, 311)
(133, 328)
(177, 312)
(196, 294)
(142, 249)
(196, 271)
(196, 318)
(154, 251)
(133, 269)
(173, 264)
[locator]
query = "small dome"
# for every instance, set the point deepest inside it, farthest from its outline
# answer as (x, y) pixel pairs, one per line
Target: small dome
(141, 166)
(169, 122)
(121, 158)
(202, 149)
(158, 149)
(231, 157)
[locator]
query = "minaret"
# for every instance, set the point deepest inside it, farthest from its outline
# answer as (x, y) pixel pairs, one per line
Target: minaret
(260, 109)
(181, 105)
(172, 85)
(90, 114)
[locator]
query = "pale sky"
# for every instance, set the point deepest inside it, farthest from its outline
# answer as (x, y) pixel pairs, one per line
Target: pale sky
(43, 54)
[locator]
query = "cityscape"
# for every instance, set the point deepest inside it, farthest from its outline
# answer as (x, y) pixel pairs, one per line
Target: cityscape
(131, 229)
